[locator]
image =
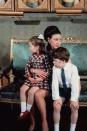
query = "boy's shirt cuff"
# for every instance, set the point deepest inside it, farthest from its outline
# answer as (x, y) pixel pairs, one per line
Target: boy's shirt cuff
(74, 99)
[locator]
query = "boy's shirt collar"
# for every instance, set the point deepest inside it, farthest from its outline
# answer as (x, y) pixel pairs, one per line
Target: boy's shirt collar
(67, 65)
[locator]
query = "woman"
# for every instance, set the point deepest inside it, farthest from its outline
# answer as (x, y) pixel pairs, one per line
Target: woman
(53, 37)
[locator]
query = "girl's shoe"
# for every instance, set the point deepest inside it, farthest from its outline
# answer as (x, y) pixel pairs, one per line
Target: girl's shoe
(24, 115)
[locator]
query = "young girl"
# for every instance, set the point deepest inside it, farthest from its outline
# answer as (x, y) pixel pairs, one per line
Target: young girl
(38, 60)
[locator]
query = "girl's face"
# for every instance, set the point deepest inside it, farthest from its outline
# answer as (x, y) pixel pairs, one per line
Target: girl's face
(59, 63)
(55, 41)
(34, 49)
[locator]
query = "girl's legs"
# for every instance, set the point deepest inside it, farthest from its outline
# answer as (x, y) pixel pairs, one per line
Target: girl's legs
(23, 98)
(30, 99)
(41, 104)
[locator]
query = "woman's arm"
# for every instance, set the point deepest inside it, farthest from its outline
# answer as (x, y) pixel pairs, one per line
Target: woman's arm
(32, 80)
(39, 72)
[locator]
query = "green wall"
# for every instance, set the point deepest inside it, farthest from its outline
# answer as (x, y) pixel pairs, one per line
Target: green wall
(8, 30)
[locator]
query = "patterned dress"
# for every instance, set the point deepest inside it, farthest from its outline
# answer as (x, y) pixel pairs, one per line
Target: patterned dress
(38, 62)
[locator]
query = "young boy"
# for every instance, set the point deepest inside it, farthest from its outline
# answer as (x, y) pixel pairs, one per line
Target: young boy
(65, 86)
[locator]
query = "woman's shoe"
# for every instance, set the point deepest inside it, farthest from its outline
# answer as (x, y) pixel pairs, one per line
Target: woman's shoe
(31, 128)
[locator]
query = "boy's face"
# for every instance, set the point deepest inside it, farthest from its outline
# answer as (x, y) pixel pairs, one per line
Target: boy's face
(55, 41)
(59, 63)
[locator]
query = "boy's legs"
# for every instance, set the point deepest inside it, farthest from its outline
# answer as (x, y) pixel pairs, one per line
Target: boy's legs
(74, 117)
(56, 114)
(41, 104)
(74, 112)
(23, 97)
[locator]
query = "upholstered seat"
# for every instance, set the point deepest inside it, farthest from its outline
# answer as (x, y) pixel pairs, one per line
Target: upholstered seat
(19, 55)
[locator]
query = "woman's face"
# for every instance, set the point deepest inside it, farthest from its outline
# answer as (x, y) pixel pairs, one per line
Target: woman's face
(55, 41)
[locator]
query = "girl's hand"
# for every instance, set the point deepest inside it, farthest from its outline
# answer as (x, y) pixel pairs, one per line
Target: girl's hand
(39, 72)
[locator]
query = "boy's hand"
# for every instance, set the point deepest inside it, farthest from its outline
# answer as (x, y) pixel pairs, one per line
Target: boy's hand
(58, 102)
(74, 105)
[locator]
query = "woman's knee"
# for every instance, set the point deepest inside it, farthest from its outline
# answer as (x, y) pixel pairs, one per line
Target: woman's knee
(38, 95)
(41, 94)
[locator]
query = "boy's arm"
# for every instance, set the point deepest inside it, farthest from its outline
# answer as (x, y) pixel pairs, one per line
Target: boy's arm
(55, 85)
(75, 85)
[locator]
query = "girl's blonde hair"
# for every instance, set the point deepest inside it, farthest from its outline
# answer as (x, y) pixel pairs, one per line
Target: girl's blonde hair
(38, 42)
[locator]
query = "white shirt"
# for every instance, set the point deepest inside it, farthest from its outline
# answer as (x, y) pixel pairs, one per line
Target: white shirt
(72, 81)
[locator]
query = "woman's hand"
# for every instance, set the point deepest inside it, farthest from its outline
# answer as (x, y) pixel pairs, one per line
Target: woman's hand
(38, 79)
(39, 72)
(32, 80)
